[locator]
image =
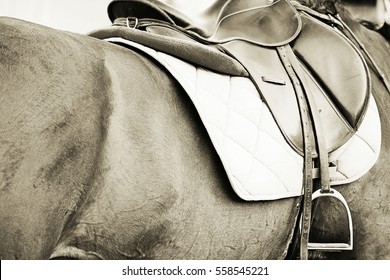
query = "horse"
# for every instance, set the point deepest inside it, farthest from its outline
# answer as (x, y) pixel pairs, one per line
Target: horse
(103, 156)
(372, 14)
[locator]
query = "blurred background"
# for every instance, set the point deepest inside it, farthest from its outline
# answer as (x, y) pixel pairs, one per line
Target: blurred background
(81, 16)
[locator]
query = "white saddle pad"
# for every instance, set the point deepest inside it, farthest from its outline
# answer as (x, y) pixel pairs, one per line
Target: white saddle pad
(258, 161)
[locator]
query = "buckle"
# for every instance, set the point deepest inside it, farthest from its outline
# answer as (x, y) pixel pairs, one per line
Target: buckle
(132, 22)
(333, 246)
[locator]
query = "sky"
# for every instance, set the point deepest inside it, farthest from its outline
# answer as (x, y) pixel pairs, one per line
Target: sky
(80, 16)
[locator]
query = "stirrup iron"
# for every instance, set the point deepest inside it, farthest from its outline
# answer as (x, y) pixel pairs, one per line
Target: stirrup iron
(333, 246)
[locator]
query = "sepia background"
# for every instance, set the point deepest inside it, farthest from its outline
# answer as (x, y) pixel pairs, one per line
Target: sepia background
(81, 16)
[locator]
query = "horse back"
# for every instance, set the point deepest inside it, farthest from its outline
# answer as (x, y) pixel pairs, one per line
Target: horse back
(87, 130)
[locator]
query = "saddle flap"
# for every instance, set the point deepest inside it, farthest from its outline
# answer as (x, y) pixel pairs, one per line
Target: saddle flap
(334, 72)
(337, 66)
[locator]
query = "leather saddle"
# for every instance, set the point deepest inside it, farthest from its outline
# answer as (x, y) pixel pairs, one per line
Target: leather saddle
(250, 32)
(314, 80)
(221, 22)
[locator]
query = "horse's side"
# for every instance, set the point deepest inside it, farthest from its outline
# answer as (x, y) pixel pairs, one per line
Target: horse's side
(102, 155)
(369, 197)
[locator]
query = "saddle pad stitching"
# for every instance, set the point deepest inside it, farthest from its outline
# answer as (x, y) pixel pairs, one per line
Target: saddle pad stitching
(252, 163)
(342, 174)
(260, 161)
(365, 141)
(227, 118)
(374, 160)
(257, 125)
(264, 134)
(351, 178)
(372, 112)
(357, 134)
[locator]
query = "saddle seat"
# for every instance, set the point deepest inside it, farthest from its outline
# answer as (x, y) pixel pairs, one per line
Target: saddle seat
(218, 21)
(250, 32)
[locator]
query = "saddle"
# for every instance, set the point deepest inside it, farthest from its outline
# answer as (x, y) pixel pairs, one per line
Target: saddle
(222, 21)
(251, 32)
(316, 90)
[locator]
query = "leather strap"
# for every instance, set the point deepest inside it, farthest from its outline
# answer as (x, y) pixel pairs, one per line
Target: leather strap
(318, 131)
(311, 124)
(308, 160)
